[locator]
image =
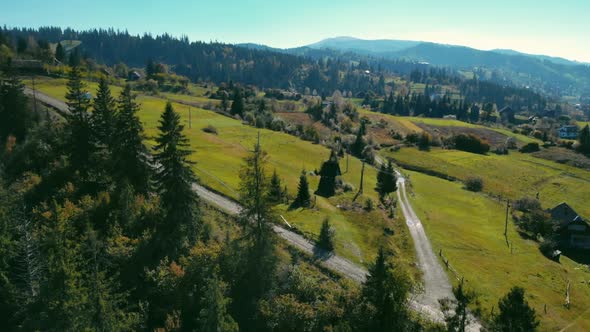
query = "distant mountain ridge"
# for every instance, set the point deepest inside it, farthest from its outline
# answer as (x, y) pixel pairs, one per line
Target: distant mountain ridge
(383, 47)
(553, 75)
(379, 46)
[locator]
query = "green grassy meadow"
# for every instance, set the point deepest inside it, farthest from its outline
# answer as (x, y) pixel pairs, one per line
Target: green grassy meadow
(408, 124)
(509, 176)
(219, 159)
(469, 227)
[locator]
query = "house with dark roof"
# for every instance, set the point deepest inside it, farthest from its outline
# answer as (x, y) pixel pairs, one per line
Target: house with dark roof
(568, 132)
(572, 229)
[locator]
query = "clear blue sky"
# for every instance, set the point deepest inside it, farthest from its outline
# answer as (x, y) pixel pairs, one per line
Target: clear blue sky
(559, 28)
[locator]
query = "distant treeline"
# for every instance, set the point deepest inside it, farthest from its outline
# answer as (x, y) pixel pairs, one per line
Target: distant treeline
(303, 69)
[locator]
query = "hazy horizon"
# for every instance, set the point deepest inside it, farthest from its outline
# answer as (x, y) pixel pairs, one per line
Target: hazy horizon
(554, 29)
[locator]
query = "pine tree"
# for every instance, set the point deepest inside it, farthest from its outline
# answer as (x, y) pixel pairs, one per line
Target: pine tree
(174, 180)
(259, 264)
(60, 54)
(129, 153)
(328, 173)
(75, 58)
(386, 180)
(515, 313)
(456, 310)
(64, 295)
(237, 106)
(79, 130)
(214, 316)
(303, 198)
(15, 117)
(106, 306)
(224, 101)
(326, 237)
(275, 190)
(585, 140)
(385, 295)
(150, 69)
(103, 117)
(359, 143)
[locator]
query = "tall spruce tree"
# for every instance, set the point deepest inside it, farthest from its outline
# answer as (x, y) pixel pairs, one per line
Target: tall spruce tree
(60, 54)
(103, 117)
(326, 237)
(107, 306)
(259, 263)
(386, 179)
(385, 296)
(237, 106)
(130, 156)
(359, 143)
(15, 117)
(328, 173)
(456, 311)
(214, 315)
(63, 292)
(79, 130)
(303, 197)
(584, 140)
(275, 190)
(174, 180)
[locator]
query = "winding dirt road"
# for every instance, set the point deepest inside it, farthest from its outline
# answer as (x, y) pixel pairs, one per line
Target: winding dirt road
(436, 282)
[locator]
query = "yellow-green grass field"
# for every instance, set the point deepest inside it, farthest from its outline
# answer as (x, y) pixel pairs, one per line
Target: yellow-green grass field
(510, 176)
(408, 124)
(583, 124)
(469, 228)
(219, 159)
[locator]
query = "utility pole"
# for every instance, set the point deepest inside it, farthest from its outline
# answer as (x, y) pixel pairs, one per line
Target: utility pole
(362, 176)
(506, 222)
(361, 185)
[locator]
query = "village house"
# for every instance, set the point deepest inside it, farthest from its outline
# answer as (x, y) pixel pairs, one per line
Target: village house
(568, 132)
(572, 229)
(134, 75)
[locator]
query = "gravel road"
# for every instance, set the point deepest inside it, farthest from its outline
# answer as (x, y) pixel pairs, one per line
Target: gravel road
(436, 282)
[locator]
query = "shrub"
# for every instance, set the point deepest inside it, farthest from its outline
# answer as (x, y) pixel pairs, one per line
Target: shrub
(501, 150)
(511, 143)
(277, 124)
(412, 138)
(530, 147)
(347, 187)
(526, 204)
(310, 133)
(210, 129)
(474, 184)
(538, 134)
(369, 205)
(471, 143)
(536, 222)
(424, 142)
